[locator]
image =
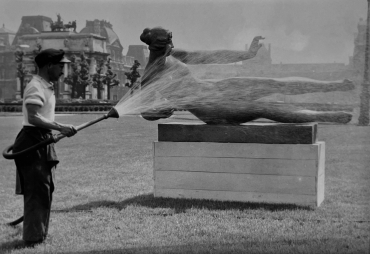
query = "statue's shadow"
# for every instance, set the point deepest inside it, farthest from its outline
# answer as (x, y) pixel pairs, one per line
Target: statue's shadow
(181, 205)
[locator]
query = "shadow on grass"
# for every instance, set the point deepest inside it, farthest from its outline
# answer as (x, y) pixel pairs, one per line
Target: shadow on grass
(181, 205)
(330, 245)
(11, 245)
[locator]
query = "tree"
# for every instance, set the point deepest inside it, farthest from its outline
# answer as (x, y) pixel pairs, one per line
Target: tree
(110, 78)
(21, 69)
(80, 78)
(98, 77)
(104, 79)
(73, 78)
(133, 76)
(84, 77)
(35, 52)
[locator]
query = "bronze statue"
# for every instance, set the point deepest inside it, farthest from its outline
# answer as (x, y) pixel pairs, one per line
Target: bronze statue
(71, 25)
(74, 25)
(227, 101)
(52, 26)
(57, 25)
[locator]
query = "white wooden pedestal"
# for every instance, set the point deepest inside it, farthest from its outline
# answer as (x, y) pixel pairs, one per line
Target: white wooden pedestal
(250, 172)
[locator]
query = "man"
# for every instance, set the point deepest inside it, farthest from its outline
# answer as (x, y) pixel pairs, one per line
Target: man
(35, 170)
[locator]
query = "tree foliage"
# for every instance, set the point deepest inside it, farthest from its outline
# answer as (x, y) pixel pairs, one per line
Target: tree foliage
(133, 76)
(21, 69)
(80, 78)
(110, 78)
(98, 77)
(102, 79)
(35, 52)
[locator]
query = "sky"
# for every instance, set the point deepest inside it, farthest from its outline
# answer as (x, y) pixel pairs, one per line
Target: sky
(299, 31)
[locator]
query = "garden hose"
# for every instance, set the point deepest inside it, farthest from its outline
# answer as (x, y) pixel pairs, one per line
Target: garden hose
(10, 156)
(56, 137)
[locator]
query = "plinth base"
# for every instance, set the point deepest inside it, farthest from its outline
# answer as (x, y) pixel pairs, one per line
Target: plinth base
(248, 172)
(262, 133)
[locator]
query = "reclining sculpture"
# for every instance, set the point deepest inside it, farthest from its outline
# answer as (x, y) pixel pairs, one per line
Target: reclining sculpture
(227, 101)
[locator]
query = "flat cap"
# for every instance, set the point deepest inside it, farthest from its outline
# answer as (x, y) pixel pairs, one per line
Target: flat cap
(53, 56)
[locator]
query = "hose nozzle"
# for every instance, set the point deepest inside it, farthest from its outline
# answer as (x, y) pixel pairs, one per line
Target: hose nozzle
(113, 113)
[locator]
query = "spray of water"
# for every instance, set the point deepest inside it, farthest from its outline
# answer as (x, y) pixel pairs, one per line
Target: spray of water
(173, 86)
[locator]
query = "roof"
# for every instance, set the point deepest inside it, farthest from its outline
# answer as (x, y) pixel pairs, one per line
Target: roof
(105, 31)
(111, 35)
(4, 30)
(37, 16)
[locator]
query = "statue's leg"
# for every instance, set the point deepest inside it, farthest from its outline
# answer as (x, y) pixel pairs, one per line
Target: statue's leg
(255, 88)
(285, 115)
(292, 86)
(238, 113)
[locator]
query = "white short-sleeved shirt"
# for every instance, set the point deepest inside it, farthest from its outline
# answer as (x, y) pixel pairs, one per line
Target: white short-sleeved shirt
(39, 92)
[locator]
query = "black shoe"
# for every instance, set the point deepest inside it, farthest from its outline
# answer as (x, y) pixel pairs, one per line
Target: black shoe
(31, 244)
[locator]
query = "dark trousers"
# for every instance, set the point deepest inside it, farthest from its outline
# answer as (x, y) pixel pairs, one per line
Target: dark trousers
(35, 181)
(38, 195)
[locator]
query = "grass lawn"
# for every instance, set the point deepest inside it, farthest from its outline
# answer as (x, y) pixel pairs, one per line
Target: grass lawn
(104, 201)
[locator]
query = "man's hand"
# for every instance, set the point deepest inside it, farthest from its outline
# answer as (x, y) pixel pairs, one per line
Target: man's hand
(36, 119)
(67, 130)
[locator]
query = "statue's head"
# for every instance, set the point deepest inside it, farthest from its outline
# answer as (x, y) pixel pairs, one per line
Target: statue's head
(157, 39)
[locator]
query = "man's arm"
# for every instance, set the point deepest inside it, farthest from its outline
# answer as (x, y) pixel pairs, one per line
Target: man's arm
(217, 56)
(38, 120)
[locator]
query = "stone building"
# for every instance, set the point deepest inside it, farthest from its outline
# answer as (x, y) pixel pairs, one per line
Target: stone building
(97, 40)
(93, 46)
(120, 63)
(32, 25)
(140, 53)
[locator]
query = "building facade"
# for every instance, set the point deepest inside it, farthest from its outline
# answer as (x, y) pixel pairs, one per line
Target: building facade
(93, 46)
(96, 40)
(32, 25)
(120, 63)
(140, 53)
